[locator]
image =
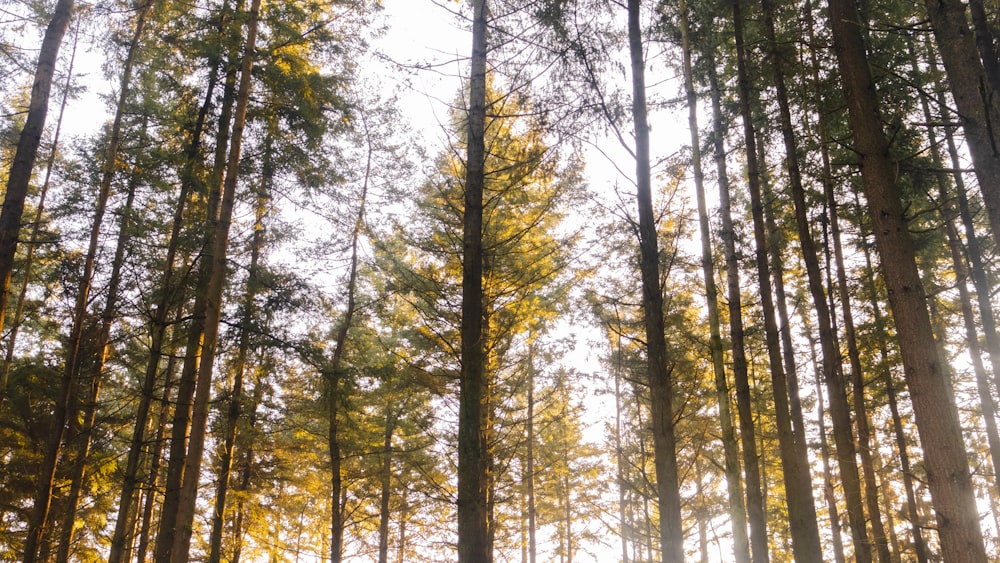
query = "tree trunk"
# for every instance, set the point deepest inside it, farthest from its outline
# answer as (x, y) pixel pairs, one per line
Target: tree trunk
(196, 327)
(100, 351)
(385, 478)
(35, 230)
(71, 369)
(659, 372)
(801, 509)
(120, 538)
(236, 399)
(977, 102)
(824, 447)
(473, 546)
(334, 368)
(839, 410)
(741, 378)
(949, 479)
(919, 546)
(213, 308)
(18, 180)
(731, 461)
(155, 462)
(529, 473)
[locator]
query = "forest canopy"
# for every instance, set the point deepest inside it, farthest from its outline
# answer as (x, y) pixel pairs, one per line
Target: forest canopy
(499, 280)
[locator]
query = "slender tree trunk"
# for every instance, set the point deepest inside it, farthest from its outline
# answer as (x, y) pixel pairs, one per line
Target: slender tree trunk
(529, 475)
(213, 309)
(121, 535)
(473, 546)
(986, 42)
(181, 424)
(974, 250)
(741, 378)
(801, 509)
(731, 461)
(949, 479)
(385, 477)
(155, 462)
(977, 103)
(828, 492)
(235, 410)
(101, 348)
(36, 228)
(623, 528)
(18, 179)
(671, 534)
(919, 546)
(987, 402)
(853, 353)
(334, 369)
(43, 497)
(839, 410)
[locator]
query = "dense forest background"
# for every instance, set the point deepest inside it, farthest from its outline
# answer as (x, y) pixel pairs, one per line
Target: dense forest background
(585, 280)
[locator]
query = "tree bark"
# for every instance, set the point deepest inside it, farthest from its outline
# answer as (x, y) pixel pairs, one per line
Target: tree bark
(101, 349)
(473, 543)
(949, 479)
(741, 378)
(18, 179)
(801, 508)
(731, 462)
(35, 230)
(236, 399)
(671, 533)
(839, 410)
(213, 308)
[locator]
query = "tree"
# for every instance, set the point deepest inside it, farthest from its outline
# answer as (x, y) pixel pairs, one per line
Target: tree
(22, 167)
(937, 421)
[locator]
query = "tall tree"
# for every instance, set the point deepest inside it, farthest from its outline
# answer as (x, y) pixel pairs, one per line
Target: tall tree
(473, 546)
(23, 165)
(795, 469)
(737, 508)
(948, 473)
(671, 534)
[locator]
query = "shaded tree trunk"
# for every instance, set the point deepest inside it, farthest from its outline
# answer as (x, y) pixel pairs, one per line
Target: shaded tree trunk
(839, 410)
(731, 462)
(473, 542)
(801, 509)
(949, 479)
(18, 179)
(671, 534)
(36, 227)
(213, 308)
(741, 378)
(977, 103)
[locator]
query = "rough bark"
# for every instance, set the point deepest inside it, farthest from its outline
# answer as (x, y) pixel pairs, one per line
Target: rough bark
(949, 478)
(671, 534)
(473, 542)
(19, 177)
(731, 462)
(741, 378)
(801, 508)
